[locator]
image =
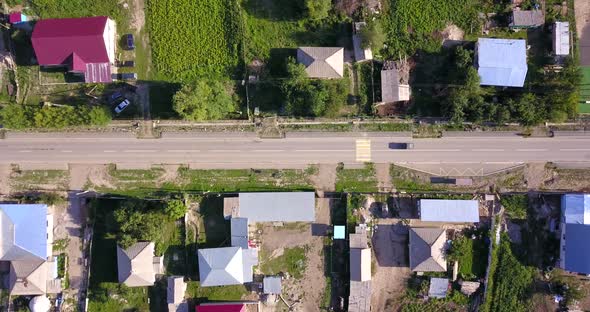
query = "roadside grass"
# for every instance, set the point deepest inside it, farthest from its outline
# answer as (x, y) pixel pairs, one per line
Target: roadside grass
(39, 179)
(410, 180)
(161, 94)
(293, 260)
(244, 180)
(516, 206)
(356, 180)
(583, 107)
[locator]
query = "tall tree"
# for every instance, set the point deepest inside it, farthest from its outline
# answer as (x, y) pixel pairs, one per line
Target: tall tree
(204, 100)
(372, 36)
(318, 9)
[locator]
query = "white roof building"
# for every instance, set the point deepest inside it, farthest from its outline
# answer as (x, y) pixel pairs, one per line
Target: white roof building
(561, 39)
(501, 62)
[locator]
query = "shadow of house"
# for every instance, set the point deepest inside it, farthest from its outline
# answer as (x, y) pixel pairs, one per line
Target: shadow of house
(281, 10)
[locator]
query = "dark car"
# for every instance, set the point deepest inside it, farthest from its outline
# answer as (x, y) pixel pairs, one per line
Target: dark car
(127, 64)
(115, 96)
(124, 76)
(130, 41)
(398, 146)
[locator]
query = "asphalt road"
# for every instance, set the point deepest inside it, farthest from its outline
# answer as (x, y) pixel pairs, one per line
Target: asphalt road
(251, 152)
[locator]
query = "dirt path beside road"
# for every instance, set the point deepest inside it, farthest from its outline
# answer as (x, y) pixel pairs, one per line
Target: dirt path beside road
(582, 10)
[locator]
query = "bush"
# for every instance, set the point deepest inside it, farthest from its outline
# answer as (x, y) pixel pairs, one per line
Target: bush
(100, 116)
(176, 209)
(204, 100)
(16, 116)
(516, 206)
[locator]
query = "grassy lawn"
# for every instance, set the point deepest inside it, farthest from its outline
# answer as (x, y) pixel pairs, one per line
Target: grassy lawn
(472, 255)
(585, 91)
(356, 180)
(245, 180)
(40, 179)
(198, 294)
(105, 293)
(293, 260)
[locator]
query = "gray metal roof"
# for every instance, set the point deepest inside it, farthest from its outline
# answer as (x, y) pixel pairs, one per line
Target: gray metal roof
(576, 251)
(576, 208)
(135, 265)
(360, 264)
(438, 287)
(501, 62)
(561, 38)
(270, 207)
(322, 62)
(23, 230)
(427, 250)
(527, 18)
(239, 232)
(175, 290)
(446, 210)
(360, 297)
(391, 89)
(271, 285)
(223, 266)
(28, 277)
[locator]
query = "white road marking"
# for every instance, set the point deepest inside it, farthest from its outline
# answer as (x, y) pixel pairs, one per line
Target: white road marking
(183, 151)
(139, 151)
(268, 151)
(323, 151)
(223, 151)
(532, 150)
(109, 151)
(434, 150)
(66, 151)
(25, 151)
(575, 150)
(363, 150)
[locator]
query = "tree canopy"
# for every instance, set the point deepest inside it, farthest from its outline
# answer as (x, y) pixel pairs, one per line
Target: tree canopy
(175, 209)
(17, 116)
(204, 100)
(372, 36)
(318, 9)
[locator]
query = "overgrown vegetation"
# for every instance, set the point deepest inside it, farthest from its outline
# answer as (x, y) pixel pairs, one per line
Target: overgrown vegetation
(418, 288)
(516, 206)
(471, 251)
(293, 260)
(356, 180)
(16, 116)
(195, 39)
(204, 100)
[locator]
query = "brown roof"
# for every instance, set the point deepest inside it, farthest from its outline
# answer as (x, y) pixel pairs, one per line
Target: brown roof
(427, 249)
(135, 265)
(527, 18)
(28, 277)
(321, 62)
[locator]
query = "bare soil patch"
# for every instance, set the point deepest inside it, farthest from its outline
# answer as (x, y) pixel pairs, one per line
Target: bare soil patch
(325, 179)
(4, 177)
(84, 175)
(582, 10)
(383, 177)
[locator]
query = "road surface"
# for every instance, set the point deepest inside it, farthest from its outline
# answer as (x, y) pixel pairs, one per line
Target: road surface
(224, 151)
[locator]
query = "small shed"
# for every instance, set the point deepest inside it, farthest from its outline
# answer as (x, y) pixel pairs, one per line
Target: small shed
(438, 287)
(339, 232)
(561, 39)
(360, 264)
(526, 19)
(392, 90)
(17, 18)
(271, 285)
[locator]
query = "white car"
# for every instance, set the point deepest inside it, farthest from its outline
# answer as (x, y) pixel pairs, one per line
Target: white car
(122, 106)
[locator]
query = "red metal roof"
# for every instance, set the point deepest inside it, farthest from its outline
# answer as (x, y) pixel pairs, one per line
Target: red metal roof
(70, 41)
(222, 308)
(14, 17)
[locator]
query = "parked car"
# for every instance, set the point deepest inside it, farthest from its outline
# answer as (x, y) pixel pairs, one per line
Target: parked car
(122, 106)
(124, 76)
(126, 64)
(398, 146)
(130, 41)
(115, 96)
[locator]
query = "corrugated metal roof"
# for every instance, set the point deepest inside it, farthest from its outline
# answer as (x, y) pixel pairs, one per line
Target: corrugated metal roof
(135, 266)
(28, 277)
(561, 38)
(175, 290)
(24, 232)
(360, 297)
(577, 253)
(391, 89)
(438, 287)
(360, 264)
(270, 207)
(501, 62)
(221, 266)
(322, 62)
(271, 285)
(427, 249)
(527, 18)
(576, 208)
(442, 210)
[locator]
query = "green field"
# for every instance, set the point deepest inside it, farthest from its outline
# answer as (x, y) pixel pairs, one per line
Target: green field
(356, 180)
(194, 39)
(584, 108)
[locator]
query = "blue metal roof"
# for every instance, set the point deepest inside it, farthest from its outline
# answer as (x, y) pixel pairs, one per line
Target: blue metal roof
(577, 253)
(576, 208)
(30, 227)
(444, 210)
(501, 62)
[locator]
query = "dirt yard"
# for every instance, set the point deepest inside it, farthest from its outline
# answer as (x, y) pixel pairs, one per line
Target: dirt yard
(4, 178)
(325, 179)
(582, 9)
(306, 293)
(390, 247)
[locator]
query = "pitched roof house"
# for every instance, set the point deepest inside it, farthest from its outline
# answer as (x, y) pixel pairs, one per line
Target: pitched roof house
(446, 210)
(392, 90)
(226, 266)
(526, 19)
(360, 53)
(84, 45)
(427, 250)
(175, 294)
(137, 265)
(26, 233)
(501, 62)
(574, 256)
(321, 62)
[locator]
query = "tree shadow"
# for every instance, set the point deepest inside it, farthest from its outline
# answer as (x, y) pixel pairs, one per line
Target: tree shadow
(282, 10)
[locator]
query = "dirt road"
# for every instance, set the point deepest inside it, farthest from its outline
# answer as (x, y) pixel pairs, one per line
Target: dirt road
(582, 9)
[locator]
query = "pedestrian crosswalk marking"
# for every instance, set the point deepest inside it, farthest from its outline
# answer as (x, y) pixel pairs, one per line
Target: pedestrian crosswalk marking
(363, 150)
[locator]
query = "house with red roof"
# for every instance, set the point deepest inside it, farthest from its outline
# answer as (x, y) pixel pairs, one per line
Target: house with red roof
(85, 46)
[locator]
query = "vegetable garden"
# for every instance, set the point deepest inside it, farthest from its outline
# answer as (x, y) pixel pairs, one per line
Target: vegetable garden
(194, 39)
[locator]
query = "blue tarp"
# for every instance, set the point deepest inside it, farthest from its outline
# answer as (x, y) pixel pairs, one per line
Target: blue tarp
(577, 253)
(501, 62)
(443, 210)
